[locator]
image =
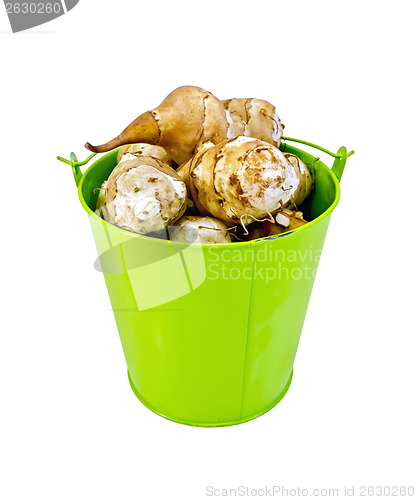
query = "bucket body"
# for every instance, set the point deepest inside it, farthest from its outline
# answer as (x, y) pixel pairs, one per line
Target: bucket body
(210, 332)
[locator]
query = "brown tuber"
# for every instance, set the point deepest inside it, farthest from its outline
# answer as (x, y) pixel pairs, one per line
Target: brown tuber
(253, 118)
(240, 180)
(286, 220)
(190, 116)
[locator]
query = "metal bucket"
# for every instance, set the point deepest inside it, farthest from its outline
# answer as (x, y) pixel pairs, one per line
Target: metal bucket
(210, 332)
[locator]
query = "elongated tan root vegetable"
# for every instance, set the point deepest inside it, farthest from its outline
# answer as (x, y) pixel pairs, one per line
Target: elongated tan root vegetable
(141, 149)
(187, 117)
(240, 180)
(144, 195)
(200, 229)
(305, 184)
(286, 220)
(190, 116)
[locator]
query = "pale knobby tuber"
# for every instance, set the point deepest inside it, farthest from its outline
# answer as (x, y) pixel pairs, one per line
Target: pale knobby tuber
(144, 195)
(200, 229)
(190, 116)
(240, 180)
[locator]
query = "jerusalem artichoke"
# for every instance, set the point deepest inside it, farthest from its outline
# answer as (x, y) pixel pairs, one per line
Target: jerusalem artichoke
(240, 180)
(142, 149)
(190, 116)
(305, 184)
(286, 220)
(200, 229)
(144, 195)
(253, 118)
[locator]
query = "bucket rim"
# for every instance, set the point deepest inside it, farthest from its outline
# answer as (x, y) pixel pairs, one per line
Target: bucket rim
(305, 227)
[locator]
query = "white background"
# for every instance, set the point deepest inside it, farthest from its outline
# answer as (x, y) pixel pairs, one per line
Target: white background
(339, 73)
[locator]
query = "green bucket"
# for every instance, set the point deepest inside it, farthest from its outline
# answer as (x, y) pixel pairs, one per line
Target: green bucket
(210, 332)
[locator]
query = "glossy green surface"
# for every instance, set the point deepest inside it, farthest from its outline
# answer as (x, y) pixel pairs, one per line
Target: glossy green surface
(210, 332)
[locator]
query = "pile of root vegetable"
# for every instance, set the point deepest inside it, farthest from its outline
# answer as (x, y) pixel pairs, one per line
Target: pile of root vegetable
(200, 169)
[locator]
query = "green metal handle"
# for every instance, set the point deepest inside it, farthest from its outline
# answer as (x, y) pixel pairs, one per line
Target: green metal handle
(340, 156)
(75, 164)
